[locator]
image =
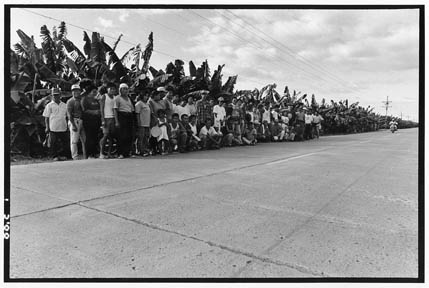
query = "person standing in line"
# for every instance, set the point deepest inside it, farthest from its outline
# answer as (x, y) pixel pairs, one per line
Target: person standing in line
(124, 121)
(55, 114)
(74, 113)
(91, 120)
(317, 122)
(300, 124)
(204, 111)
(219, 113)
(163, 138)
(308, 122)
(107, 119)
(190, 107)
(143, 121)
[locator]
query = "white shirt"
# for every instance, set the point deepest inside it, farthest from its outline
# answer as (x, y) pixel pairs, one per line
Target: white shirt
(275, 114)
(285, 119)
(266, 116)
(220, 114)
(204, 131)
(180, 110)
(308, 119)
(194, 129)
(108, 107)
(57, 116)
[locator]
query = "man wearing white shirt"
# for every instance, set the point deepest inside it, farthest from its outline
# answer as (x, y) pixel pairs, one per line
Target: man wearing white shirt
(55, 114)
(219, 113)
(308, 122)
(210, 138)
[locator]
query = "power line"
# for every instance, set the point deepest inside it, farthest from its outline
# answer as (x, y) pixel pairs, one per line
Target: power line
(289, 51)
(244, 40)
(87, 29)
(134, 44)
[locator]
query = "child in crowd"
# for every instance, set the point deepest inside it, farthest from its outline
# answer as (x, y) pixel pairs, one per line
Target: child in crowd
(177, 134)
(143, 111)
(163, 139)
(228, 132)
(249, 136)
(277, 132)
(194, 140)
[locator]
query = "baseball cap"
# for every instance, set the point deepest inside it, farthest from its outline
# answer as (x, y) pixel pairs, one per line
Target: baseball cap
(75, 87)
(55, 91)
(161, 89)
(123, 85)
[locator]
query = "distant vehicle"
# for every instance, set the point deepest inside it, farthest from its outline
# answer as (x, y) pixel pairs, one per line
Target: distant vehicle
(393, 126)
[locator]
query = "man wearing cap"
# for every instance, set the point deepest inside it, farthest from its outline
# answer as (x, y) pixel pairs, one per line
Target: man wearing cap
(74, 113)
(219, 113)
(124, 109)
(55, 114)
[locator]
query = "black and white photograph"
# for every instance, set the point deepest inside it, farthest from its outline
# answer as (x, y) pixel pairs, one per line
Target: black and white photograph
(213, 143)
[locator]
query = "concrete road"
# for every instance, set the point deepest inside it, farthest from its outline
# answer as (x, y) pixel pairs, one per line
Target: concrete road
(339, 206)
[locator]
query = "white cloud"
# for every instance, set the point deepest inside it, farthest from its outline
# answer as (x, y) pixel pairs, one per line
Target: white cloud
(123, 16)
(105, 22)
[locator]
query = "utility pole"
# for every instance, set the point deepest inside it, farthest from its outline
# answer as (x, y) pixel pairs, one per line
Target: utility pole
(387, 106)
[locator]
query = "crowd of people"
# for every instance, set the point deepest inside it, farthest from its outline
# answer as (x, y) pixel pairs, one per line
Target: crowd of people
(108, 123)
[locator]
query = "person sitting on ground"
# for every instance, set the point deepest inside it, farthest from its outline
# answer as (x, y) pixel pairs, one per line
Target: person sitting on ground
(249, 135)
(209, 136)
(190, 143)
(292, 133)
(266, 131)
(260, 135)
(277, 132)
(228, 132)
(178, 135)
(163, 140)
(196, 141)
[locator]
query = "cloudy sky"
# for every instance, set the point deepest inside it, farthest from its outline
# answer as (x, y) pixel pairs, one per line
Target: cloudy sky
(360, 55)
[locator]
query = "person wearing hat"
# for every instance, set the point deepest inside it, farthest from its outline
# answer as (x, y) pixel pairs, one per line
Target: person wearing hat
(219, 113)
(74, 113)
(124, 121)
(55, 114)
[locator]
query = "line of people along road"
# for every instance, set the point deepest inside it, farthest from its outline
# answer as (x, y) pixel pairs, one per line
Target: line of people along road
(158, 122)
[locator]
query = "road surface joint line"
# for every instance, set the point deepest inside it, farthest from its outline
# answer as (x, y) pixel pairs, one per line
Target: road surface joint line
(156, 185)
(313, 216)
(172, 182)
(297, 267)
(197, 177)
(325, 218)
(71, 202)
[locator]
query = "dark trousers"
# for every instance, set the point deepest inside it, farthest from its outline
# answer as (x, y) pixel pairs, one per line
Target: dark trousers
(59, 143)
(125, 132)
(307, 133)
(91, 125)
